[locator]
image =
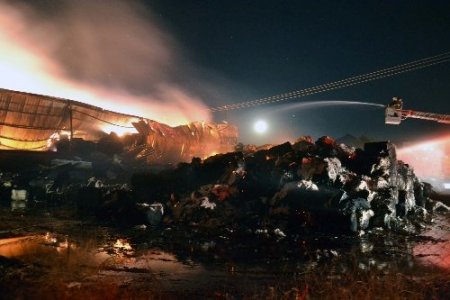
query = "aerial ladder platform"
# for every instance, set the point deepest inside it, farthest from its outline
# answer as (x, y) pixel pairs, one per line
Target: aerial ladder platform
(395, 114)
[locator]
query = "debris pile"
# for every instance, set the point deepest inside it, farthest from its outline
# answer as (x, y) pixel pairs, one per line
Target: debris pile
(272, 190)
(290, 188)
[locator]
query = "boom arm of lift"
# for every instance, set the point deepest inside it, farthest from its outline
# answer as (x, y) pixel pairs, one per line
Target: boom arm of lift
(394, 114)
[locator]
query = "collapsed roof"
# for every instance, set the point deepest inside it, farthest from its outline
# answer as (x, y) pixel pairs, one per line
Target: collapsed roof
(29, 121)
(33, 122)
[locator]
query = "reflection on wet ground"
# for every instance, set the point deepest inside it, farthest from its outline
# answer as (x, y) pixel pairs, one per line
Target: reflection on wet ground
(172, 260)
(436, 250)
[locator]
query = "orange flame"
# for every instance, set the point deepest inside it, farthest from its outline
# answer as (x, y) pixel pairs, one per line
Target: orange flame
(120, 131)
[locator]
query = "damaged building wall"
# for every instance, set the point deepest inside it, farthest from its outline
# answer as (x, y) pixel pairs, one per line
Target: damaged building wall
(36, 122)
(30, 122)
(181, 143)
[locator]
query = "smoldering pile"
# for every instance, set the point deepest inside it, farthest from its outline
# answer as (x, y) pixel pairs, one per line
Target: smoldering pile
(282, 190)
(287, 189)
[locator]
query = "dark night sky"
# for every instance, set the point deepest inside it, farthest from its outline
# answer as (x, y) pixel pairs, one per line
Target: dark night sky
(265, 48)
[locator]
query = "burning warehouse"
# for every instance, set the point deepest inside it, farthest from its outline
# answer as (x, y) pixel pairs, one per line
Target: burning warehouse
(36, 123)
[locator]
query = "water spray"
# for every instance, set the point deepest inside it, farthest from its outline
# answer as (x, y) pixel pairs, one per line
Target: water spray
(324, 103)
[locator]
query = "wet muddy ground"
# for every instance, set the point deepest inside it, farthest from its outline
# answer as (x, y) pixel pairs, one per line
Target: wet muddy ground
(48, 254)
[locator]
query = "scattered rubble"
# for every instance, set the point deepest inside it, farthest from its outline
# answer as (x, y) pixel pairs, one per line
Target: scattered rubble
(279, 190)
(290, 188)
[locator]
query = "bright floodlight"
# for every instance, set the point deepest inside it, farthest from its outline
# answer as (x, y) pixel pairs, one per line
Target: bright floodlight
(260, 126)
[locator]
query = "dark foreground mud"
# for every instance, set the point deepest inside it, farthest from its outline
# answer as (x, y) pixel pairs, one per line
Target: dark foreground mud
(49, 255)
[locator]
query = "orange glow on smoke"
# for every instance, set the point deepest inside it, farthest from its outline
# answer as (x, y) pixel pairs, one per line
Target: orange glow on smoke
(29, 45)
(430, 159)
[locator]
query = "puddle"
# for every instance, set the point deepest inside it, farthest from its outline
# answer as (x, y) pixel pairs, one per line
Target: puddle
(116, 261)
(28, 248)
(435, 251)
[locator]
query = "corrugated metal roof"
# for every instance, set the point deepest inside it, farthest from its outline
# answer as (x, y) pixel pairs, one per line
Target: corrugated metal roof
(28, 121)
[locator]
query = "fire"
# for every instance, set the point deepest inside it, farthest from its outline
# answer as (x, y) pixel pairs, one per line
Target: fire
(122, 244)
(120, 131)
(74, 56)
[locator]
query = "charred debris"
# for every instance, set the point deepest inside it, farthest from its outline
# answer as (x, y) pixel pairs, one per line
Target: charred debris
(277, 191)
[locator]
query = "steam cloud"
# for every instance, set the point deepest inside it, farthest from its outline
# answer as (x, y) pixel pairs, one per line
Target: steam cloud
(112, 54)
(430, 158)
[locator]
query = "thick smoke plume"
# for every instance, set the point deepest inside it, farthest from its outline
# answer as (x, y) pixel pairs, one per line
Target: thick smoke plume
(112, 54)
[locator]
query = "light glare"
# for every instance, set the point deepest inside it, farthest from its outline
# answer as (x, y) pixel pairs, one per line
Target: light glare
(260, 126)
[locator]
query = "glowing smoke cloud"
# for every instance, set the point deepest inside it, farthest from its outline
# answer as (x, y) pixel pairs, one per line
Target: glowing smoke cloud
(105, 53)
(430, 159)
